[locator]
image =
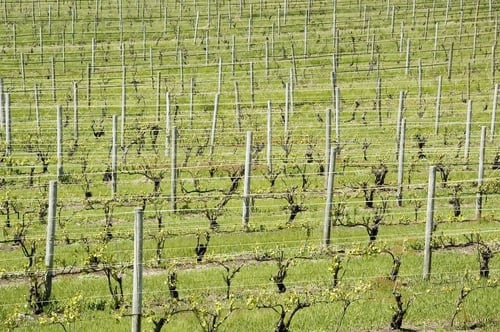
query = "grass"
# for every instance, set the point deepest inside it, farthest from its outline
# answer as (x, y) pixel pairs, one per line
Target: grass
(188, 68)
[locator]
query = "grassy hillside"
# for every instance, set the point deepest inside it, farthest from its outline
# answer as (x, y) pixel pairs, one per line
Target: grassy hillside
(301, 77)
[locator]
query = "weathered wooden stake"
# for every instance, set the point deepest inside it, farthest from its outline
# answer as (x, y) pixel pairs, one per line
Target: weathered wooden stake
(419, 82)
(137, 272)
(167, 124)
(114, 157)
(329, 198)
(89, 85)
(75, 111)
(287, 105)
(429, 223)
(407, 66)
(158, 94)
(337, 118)
(219, 77)
(173, 169)
(435, 40)
(494, 112)
(37, 110)
(450, 61)
(123, 107)
(8, 141)
(399, 117)
(328, 142)
(252, 86)
(191, 101)
(41, 44)
(92, 59)
(50, 239)
(23, 75)
(468, 124)
(233, 54)
(480, 174)
(401, 153)
(53, 78)
(59, 126)
(269, 137)
(438, 105)
(493, 62)
(378, 99)
(214, 125)
(237, 106)
(2, 110)
(196, 22)
(246, 181)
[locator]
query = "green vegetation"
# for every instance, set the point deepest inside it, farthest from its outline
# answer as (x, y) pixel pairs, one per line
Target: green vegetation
(171, 65)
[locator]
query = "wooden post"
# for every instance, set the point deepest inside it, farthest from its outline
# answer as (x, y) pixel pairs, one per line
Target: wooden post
(493, 62)
(14, 38)
(8, 143)
(167, 124)
(123, 107)
(468, 80)
(333, 81)
(237, 106)
(37, 110)
(401, 153)
(181, 70)
(137, 273)
(468, 124)
(173, 169)
(291, 87)
(246, 181)
(378, 98)
(233, 54)
(196, 22)
(92, 58)
(328, 140)
(399, 117)
(252, 86)
(50, 240)
(329, 198)
(480, 173)
(158, 94)
(219, 77)
(191, 101)
(23, 74)
(266, 47)
(337, 118)
(89, 82)
(493, 112)
(419, 83)
(59, 125)
(41, 44)
(75, 111)
(429, 223)
(287, 105)
(214, 125)
(393, 13)
(2, 110)
(407, 66)
(53, 78)
(269, 136)
(114, 164)
(438, 105)
(450, 61)
(435, 40)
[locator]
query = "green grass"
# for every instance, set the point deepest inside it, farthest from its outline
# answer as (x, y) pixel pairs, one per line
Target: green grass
(151, 51)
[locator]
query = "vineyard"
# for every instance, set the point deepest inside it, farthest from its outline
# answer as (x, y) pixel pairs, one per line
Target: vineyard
(221, 165)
